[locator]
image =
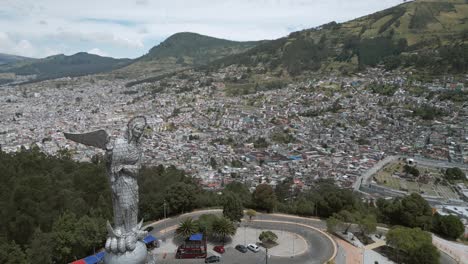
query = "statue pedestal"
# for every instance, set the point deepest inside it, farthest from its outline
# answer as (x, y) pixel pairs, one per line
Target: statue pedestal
(137, 256)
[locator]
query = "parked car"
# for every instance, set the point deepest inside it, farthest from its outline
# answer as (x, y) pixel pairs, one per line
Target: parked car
(253, 247)
(219, 249)
(149, 229)
(212, 259)
(241, 248)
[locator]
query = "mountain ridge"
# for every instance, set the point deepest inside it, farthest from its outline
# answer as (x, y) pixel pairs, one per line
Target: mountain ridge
(423, 28)
(60, 65)
(9, 58)
(181, 51)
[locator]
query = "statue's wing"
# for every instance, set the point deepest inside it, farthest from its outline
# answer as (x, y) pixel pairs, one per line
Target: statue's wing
(97, 139)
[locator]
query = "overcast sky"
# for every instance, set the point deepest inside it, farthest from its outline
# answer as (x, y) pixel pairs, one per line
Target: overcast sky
(129, 28)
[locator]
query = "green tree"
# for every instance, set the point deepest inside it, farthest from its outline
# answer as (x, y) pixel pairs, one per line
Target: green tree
(305, 207)
(427, 254)
(448, 226)
(64, 236)
(223, 227)
(251, 213)
(264, 197)
(232, 208)
(455, 174)
(416, 212)
(283, 189)
(411, 211)
(332, 224)
(205, 223)
(180, 197)
(241, 191)
(415, 244)
(41, 248)
(367, 224)
(91, 233)
(213, 163)
(268, 237)
(261, 143)
(186, 228)
(411, 170)
(11, 253)
(330, 199)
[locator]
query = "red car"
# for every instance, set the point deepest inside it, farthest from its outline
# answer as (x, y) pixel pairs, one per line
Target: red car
(219, 249)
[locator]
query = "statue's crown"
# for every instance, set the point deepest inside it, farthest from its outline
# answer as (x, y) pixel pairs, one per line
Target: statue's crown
(136, 121)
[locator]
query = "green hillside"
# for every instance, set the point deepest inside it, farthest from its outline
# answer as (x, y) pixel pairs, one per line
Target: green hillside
(58, 66)
(7, 58)
(181, 51)
(426, 35)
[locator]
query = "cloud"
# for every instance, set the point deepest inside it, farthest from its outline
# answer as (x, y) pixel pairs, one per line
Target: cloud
(18, 47)
(121, 22)
(141, 2)
(97, 37)
(99, 52)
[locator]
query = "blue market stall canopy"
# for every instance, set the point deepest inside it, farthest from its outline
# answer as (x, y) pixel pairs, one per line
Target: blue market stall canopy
(149, 239)
(196, 237)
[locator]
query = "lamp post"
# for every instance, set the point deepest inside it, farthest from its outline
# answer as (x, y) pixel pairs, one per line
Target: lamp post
(165, 222)
(294, 238)
(244, 236)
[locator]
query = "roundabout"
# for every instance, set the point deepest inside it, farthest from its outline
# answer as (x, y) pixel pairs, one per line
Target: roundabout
(300, 240)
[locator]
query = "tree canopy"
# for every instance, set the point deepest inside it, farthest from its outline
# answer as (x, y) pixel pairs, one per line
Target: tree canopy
(411, 211)
(268, 237)
(54, 209)
(187, 227)
(264, 197)
(455, 174)
(448, 226)
(223, 227)
(232, 207)
(415, 244)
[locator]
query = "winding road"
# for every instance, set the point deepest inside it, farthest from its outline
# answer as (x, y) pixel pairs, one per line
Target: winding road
(321, 247)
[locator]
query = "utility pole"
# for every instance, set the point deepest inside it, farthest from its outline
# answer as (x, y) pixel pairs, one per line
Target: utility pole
(165, 222)
(266, 257)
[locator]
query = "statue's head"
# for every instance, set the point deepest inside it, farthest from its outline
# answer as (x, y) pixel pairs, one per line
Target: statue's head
(135, 128)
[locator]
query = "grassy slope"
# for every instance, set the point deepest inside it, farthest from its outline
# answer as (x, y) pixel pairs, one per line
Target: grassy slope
(181, 51)
(423, 24)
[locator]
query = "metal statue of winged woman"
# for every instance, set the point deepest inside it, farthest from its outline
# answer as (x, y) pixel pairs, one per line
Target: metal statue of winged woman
(123, 160)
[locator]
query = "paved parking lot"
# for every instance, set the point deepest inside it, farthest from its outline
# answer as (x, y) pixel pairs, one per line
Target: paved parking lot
(309, 246)
(231, 256)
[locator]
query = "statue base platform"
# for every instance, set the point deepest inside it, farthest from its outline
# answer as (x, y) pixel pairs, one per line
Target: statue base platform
(137, 256)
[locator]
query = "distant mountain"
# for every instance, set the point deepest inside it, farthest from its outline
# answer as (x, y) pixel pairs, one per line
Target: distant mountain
(58, 66)
(429, 35)
(181, 51)
(7, 58)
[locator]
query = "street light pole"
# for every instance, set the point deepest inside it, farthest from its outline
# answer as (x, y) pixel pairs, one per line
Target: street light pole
(266, 257)
(165, 222)
(244, 235)
(294, 238)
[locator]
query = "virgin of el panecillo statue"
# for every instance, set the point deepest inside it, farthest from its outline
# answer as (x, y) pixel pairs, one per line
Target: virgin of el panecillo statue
(123, 158)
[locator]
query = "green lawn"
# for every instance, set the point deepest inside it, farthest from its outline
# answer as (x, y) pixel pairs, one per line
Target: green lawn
(384, 177)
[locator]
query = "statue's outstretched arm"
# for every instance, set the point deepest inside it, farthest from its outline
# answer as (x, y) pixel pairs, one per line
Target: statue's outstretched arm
(98, 139)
